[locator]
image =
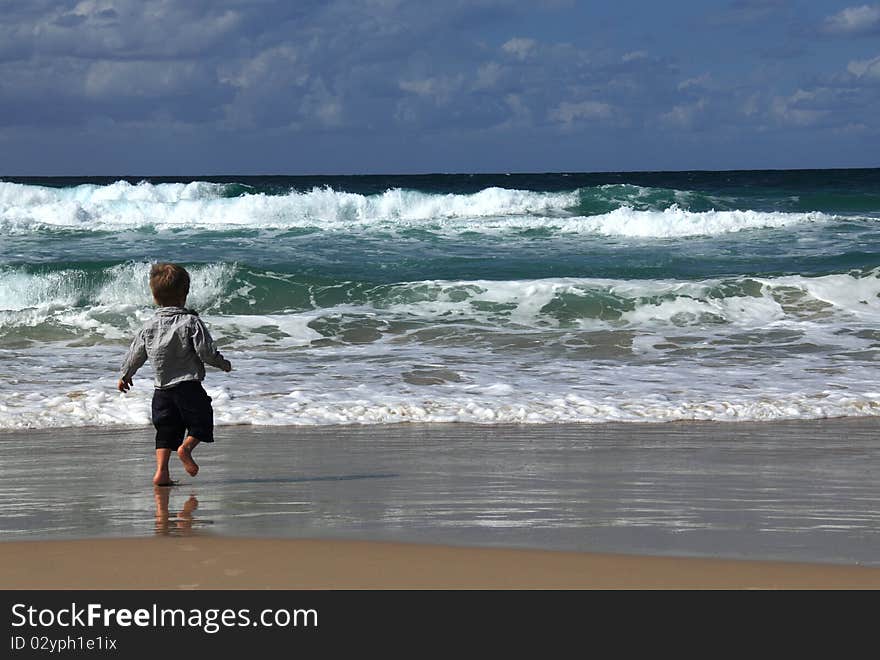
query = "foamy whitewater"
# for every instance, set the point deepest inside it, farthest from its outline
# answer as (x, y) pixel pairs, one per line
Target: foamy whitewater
(476, 298)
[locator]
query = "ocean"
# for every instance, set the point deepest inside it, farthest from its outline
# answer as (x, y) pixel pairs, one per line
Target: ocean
(521, 298)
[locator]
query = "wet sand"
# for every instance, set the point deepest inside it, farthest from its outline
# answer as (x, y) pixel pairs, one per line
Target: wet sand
(228, 563)
(671, 502)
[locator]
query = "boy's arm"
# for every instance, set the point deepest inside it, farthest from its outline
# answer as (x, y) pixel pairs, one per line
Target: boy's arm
(205, 347)
(134, 360)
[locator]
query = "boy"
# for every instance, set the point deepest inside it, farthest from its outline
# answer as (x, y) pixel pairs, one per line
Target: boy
(178, 345)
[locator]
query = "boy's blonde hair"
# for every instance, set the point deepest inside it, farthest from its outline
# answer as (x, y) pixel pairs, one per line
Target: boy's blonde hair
(169, 284)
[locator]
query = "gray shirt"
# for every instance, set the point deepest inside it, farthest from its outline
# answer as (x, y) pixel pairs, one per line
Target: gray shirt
(178, 346)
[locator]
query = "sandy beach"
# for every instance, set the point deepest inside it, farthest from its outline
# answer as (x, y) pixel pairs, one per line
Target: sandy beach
(228, 563)
(683, 505)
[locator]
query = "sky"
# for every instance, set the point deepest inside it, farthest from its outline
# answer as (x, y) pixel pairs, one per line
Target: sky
(187, 87)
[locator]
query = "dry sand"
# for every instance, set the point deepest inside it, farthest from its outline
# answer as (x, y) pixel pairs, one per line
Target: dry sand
(231, 563)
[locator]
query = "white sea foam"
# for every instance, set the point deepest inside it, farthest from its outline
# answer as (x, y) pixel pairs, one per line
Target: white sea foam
(858, 296)
(272, 329)
(108, 303)
(201, 206)
(675, 222)
(21, 195)
(530, 351)
(121, 287)
(20, 290)
(333, 387)
(645, 302)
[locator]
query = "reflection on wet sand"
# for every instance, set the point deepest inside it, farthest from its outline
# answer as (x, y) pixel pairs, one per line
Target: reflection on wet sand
(182, 522)
(798, 491)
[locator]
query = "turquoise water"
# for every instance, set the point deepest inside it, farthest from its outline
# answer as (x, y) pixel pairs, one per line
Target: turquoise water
(488, 298)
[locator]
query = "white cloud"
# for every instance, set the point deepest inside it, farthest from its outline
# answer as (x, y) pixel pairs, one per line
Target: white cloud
(488, 75)
(634, 55)
(439, 88)
(684, 116)
(852, 128)
(519, 47)
(133, 29)
(141, 79)
(864, 19)
(751, 106)
(322, 104)
(568, 113)
(274, 66)
(267, 87)
(865, 68)
(791, 110)
(697, 82)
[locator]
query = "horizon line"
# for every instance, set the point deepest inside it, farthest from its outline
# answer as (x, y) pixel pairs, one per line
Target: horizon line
(427, 173)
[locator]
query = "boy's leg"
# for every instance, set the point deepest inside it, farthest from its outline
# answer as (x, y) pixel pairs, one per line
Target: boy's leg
(195, 409)
(162, 477)
(170, 429)
(184, 453)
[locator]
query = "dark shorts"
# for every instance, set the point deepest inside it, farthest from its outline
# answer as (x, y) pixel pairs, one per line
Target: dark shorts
(182, 410)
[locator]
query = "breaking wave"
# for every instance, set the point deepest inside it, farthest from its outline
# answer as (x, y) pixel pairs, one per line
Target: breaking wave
(610, 210)
(106, 303)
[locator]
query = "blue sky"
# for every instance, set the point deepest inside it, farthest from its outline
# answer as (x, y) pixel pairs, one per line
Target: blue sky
(390, 86)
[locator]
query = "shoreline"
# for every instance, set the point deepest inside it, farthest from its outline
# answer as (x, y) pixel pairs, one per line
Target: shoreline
(781, 504)
(436, 426)
(205, 563)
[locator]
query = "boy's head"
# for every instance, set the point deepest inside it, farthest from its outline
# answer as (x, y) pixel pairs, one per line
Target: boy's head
(169, 284)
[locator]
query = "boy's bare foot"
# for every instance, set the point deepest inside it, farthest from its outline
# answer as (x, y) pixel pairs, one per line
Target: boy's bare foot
(184, 453)
(162, 479)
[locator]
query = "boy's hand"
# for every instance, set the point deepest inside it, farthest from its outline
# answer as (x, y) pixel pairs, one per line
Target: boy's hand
(124, 384)
(227, 367)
